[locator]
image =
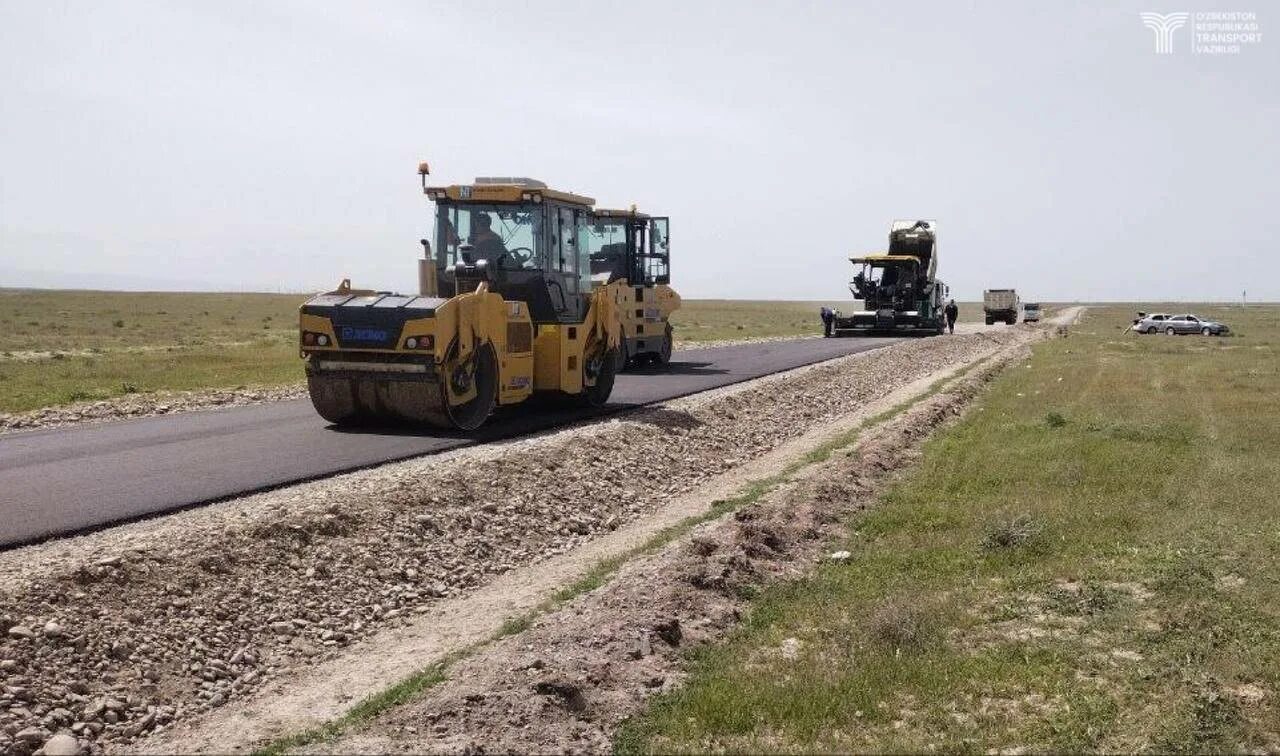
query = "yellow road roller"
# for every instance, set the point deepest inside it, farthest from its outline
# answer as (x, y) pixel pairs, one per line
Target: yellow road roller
(631, 255)
(505, 310)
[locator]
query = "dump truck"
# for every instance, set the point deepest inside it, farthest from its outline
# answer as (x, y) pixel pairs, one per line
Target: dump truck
(505, 311)
(1031, 312)
(631, 254)
(899, 289)
(1000, 305)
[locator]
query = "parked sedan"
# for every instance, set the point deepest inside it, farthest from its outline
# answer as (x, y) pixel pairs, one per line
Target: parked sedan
(1151, 323)
(1179, 324)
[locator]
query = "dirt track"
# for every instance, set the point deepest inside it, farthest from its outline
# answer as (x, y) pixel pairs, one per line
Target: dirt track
(120, 635)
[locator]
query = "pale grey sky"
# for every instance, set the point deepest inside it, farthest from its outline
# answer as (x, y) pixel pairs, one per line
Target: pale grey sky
(273, 146)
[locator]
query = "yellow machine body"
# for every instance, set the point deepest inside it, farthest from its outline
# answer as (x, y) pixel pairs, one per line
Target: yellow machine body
(645, 313)
(631, 258)
(488, 328)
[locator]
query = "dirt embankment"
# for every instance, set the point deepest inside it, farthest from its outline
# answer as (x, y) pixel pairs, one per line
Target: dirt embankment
(121, 634)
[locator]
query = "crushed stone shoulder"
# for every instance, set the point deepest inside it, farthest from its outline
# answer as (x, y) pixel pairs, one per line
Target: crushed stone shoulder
(567, 683)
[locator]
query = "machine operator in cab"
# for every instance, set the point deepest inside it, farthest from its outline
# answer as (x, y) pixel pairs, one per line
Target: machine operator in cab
(488, 245)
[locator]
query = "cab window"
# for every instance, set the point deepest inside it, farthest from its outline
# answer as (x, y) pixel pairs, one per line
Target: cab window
(658, 262)
(503, 235)
(605, 240)
(571, 249)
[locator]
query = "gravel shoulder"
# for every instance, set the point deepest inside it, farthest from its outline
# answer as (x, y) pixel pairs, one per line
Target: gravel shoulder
(308, 698)
(567, 683)
(121, 635)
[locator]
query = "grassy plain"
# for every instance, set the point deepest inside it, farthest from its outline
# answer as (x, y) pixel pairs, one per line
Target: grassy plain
(1089, 561)
(59, 347)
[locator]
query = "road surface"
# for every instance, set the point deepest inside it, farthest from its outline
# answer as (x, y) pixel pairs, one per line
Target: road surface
(62, 481)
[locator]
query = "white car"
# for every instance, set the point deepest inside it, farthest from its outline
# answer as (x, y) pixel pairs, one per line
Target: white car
(1152, 323)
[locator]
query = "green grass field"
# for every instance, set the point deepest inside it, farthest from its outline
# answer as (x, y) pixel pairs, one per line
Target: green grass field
(1089, 561)
(60, 347)
(718, 319)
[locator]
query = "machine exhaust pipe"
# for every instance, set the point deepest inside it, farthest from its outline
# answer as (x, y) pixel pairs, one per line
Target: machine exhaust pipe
(428, 286)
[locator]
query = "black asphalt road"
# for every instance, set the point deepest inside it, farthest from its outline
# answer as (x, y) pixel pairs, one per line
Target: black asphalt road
(62, 481)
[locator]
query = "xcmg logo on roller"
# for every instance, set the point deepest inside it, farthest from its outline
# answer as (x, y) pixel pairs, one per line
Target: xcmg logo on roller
(351, 333)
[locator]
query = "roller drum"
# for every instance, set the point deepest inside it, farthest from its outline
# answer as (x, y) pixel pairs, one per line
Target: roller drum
(350, 399)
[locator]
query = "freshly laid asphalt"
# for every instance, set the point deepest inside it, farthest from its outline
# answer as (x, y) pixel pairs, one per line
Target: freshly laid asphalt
(61, 481)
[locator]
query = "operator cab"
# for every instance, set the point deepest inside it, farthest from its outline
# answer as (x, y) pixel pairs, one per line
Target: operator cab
(884, 276)
(528, 242)
(907, 267)
(625, 244)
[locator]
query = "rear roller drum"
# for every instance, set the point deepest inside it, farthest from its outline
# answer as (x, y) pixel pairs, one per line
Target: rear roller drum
(663, 356)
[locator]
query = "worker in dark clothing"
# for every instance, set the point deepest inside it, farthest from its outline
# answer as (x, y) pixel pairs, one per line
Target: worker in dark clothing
(488, 245)
(828, 321)
(952, 312)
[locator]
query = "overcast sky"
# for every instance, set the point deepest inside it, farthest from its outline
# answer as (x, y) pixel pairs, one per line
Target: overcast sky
(273, 146)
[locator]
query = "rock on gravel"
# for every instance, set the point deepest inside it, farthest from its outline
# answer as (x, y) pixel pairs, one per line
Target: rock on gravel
(62, 744)
(31, 735)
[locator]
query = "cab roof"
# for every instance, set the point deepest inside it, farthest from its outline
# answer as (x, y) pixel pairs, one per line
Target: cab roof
(883, 258)
(612, 213)
(505, 189)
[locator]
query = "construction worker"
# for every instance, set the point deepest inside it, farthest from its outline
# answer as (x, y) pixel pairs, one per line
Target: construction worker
(828, 320)
(952, 312)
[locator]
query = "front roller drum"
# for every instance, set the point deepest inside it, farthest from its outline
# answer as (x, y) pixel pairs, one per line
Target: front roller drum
(599, 371)
(357, 399)
(469, 389)
(334, 398)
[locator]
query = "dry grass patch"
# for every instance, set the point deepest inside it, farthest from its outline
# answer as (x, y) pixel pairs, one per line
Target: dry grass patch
(1010, 532)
